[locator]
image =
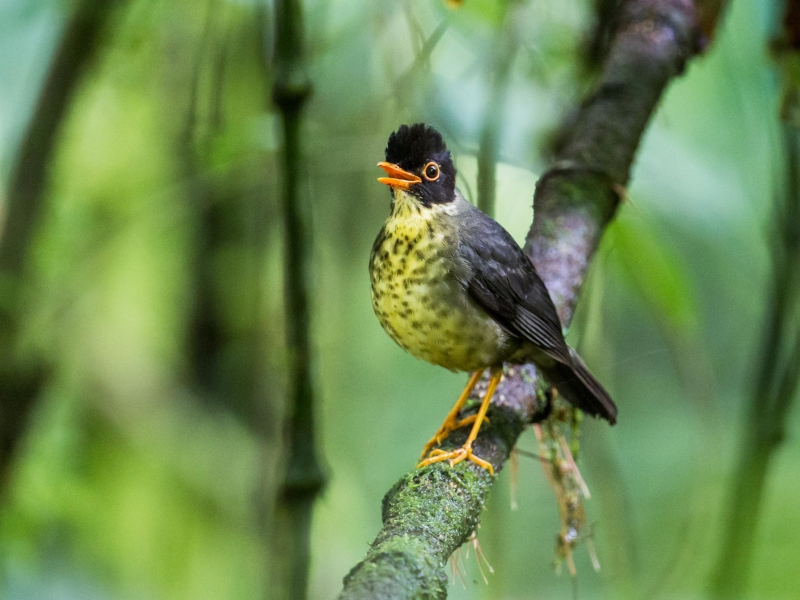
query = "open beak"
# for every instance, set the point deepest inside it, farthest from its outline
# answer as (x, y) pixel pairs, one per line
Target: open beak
(398, 178)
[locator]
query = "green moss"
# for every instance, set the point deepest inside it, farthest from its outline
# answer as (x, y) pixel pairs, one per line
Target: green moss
(399, 567)
(427, 515)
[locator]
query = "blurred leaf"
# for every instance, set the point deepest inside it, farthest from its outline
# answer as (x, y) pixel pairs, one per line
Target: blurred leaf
(653, 269)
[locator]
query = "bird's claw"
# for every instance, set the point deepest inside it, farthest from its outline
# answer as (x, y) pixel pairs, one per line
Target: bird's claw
(456, 456)
(446, 429)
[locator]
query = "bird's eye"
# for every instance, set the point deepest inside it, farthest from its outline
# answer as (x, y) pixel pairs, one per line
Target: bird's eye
(431, 171)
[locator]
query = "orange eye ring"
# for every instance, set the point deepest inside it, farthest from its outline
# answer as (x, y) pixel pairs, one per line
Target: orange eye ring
(431, 171)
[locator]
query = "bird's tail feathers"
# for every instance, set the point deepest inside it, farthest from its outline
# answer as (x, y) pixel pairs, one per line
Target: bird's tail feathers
(575, 383)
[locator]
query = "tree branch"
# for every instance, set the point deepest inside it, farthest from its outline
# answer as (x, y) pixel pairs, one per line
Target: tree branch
(577, 196)
(22, 379)
(431, 512)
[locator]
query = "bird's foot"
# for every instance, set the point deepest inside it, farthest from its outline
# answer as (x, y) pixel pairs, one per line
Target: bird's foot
(456, 456)
(446, 429)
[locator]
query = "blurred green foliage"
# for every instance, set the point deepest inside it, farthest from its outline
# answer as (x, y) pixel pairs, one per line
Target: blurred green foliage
(134, 483)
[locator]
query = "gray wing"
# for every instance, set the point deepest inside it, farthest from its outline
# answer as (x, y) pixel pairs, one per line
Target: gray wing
(502, 280)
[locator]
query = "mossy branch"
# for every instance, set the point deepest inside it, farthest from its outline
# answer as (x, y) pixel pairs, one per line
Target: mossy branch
(431, 512)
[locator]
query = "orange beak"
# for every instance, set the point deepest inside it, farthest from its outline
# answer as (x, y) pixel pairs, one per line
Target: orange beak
(398, 178)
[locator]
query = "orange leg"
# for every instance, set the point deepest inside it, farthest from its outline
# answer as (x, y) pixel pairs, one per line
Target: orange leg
(465, 452)
(451, 422)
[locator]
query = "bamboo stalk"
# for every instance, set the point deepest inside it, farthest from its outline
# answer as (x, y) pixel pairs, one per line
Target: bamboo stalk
(303, 479)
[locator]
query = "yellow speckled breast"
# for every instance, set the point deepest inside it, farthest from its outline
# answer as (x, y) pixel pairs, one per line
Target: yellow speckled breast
(417, 296)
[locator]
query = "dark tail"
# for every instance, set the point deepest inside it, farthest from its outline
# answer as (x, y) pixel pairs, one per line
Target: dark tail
(580, 388)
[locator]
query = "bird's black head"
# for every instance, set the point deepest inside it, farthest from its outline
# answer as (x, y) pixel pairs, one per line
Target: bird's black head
(418, 162)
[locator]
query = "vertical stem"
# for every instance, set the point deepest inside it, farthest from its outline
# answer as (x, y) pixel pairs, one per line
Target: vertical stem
(22, 379)
(227, 361)
(505, 48)
(776, 386)
(303, 479)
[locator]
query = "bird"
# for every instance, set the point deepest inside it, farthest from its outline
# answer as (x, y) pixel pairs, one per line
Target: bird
(451, 286)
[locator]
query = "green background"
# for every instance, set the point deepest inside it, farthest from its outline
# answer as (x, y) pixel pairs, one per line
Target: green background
(132, 485)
